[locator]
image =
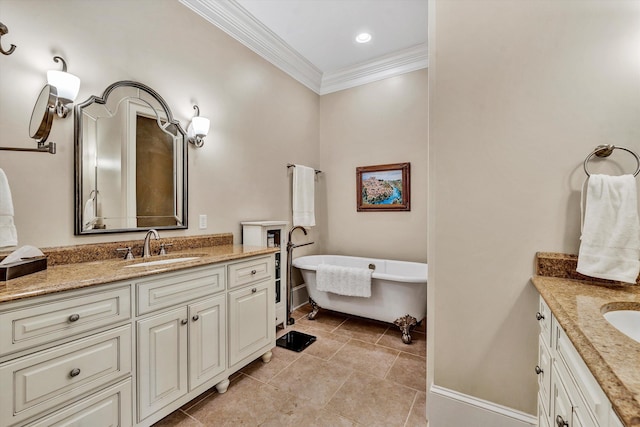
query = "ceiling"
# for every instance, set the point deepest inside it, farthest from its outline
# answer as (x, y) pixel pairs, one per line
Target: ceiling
(314, 40)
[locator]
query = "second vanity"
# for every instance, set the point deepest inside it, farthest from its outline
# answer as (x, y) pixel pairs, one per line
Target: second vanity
(102, 343)
(588, 371)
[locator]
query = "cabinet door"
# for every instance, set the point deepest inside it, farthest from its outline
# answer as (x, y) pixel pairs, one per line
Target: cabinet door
(207, 333)
(562, 409)
(544, 374)
(251, 320)
(162, 360)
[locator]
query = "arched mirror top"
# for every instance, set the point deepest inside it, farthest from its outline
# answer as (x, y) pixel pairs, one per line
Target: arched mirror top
(131, 157)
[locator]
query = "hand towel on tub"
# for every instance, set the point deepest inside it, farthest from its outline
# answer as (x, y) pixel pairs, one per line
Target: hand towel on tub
(8, 232)
(303, 196)
(610, 241)
(349, 281)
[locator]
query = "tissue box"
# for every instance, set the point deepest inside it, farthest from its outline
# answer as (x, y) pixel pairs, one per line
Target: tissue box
(21, 268)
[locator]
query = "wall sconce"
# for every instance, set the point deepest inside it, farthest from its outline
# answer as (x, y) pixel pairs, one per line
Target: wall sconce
(198, 129)
(67, 86)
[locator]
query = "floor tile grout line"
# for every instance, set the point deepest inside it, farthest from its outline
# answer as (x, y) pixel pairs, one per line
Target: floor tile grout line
(341, 323)
(415, 398)
(381, 335)
(281, 370)
(336, 392)
(402, 351)
(391, 366)
(338, 350)
(192, 417)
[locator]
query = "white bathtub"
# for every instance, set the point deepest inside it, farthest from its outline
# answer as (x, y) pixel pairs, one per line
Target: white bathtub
(398, 290)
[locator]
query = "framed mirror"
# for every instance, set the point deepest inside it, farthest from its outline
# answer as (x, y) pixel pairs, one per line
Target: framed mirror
(130, 162)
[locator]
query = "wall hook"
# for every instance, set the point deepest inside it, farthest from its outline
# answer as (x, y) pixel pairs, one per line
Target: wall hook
(4, 30)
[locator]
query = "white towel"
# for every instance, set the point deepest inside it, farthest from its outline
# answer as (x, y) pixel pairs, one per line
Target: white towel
(8, 232)
(350, 281)
(303, 196)
(610, 241)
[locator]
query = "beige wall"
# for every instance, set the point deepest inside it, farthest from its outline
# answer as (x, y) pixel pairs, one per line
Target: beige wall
(378, 123)
(520, 93)
(260, 117)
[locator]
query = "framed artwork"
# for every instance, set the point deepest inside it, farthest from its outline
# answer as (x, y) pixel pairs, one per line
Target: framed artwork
(383, 187)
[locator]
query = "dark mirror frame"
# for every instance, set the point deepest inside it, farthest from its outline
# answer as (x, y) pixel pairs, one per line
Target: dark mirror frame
(78, 159)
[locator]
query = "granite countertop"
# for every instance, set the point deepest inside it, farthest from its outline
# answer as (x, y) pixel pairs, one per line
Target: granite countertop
(64, 277)
(612, 357)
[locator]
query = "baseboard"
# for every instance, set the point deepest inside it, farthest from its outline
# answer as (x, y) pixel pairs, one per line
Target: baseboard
(449, 408)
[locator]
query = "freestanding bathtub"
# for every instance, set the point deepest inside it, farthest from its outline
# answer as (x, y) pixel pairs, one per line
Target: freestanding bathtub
(398, 290)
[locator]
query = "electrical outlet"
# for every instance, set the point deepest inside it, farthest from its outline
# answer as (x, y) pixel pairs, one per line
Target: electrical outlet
(203, 222)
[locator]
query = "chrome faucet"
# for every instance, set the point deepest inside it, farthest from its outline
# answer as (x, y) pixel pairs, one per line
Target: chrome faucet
(146, 251)
(290, 244)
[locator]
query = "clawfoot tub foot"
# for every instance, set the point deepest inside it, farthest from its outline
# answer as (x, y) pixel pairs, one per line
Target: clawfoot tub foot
(406, 325)
(314, 309)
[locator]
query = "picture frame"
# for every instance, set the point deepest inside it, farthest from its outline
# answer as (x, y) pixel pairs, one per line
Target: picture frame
(383, 187)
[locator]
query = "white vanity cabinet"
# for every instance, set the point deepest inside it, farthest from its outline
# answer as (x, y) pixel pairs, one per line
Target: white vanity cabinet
(568, 394)
(125, 354)
(251, 310)
(67, 358)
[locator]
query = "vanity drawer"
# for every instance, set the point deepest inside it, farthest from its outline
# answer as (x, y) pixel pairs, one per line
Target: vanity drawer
(253, 270)
(46, 379)
(107, 408)
(544, 317)
(43, 322)
(172, 289)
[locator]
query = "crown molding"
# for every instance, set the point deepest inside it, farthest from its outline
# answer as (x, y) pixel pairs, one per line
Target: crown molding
(396, 63)
(236, 21)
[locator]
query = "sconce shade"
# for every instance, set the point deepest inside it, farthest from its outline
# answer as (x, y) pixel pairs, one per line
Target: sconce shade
(200, 126)
(66, 84)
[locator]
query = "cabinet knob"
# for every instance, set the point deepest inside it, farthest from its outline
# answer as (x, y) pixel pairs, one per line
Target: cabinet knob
(74, 372)
(253, 271)
(539, 316)
(184, 321)
(539, 370)
(74, 317)
(254, 290)
(560, 422)
(195, 318)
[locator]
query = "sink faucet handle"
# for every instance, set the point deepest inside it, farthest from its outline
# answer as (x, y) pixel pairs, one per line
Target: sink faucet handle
(163, 247)
(128, 254)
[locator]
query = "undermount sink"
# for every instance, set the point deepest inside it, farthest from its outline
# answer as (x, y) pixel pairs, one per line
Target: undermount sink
(162, 262)
(626, 321)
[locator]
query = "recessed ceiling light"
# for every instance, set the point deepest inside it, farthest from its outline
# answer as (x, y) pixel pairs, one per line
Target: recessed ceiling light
(363, 38)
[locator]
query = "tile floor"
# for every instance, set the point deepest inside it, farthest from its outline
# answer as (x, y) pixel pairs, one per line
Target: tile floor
(357, 373)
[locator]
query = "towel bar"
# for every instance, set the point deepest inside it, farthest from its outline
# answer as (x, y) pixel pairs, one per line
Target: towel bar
(605, 151)
(291, 165)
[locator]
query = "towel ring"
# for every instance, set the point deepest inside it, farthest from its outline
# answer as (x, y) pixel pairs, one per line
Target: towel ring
(605, 151)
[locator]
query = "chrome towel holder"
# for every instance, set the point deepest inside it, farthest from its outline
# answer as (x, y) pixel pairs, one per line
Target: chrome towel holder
(605, 151)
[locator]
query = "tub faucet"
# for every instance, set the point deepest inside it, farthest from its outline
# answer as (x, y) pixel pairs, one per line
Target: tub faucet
(290, 244)
(146, 251)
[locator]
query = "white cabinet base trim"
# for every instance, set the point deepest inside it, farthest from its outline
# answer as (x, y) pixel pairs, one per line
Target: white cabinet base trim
(451, 408)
